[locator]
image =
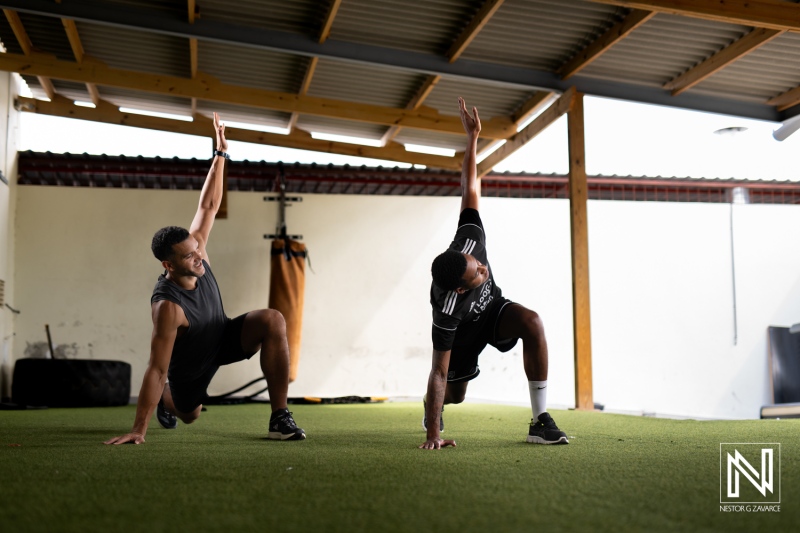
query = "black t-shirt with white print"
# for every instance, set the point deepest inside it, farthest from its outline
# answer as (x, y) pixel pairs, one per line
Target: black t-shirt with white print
(451, 310)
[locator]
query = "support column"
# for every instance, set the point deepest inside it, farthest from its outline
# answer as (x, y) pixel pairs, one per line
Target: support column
(579, 229)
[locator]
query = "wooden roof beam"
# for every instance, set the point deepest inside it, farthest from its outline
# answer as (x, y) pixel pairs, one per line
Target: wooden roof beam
(602, 44)
(192, 11)
(312, 67)
(772, 14)
(736, 50)
(539, 124)
(201, 126)
(531, 106)
(208, 88)
(77, 50)
(27, 48)
(325, 32)
(487, 10)
(413, 104)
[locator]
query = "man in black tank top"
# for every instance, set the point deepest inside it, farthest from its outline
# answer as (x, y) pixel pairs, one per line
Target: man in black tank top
(192, 335)
(469, 312)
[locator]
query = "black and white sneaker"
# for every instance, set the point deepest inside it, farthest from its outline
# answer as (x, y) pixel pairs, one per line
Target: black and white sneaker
(545, 431)
(165, 417)
(425, 417)
(283, 427)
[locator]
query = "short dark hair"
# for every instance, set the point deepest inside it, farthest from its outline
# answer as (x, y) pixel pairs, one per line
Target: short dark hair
(448, 270)
(164, 239)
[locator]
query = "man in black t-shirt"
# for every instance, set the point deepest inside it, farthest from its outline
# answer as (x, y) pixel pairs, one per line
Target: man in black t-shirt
(192, 336)
(469, 312)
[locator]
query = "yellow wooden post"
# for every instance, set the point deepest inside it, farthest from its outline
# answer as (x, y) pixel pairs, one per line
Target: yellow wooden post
(578, 194)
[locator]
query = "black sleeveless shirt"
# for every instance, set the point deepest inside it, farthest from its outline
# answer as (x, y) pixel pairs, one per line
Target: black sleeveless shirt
(195, 350)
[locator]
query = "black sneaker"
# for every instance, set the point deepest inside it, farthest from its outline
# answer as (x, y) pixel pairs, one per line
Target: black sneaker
(545, 431)
(425, 417)
(165, 417)
(283, 427)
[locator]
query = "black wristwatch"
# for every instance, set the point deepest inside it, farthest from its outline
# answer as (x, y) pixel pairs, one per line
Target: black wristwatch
(223, 154)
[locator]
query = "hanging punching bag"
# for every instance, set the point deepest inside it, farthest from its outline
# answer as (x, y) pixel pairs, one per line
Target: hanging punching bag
(286, 291)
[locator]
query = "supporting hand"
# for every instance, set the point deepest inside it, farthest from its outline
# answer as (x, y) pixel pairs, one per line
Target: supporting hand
(435, 444)
(131, 438)
(472, 125)
(219, 127)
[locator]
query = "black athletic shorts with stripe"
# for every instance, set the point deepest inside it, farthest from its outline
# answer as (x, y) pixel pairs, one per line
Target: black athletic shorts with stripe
(187, 395)
(470, 342)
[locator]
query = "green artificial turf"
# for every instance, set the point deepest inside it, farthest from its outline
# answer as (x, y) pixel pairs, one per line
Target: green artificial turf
(360, 470)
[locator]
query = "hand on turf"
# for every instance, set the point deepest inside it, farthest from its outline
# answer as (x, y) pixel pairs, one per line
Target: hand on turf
(435, 444)
(131, 438)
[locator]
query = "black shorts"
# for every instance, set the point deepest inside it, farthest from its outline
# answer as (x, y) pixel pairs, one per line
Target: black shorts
(187, 395)
(471, 340)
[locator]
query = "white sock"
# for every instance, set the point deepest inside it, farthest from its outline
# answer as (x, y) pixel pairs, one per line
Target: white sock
(538, 390)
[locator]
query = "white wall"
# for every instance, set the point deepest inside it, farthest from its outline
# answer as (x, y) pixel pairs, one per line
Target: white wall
(9, 141)
(662, 316)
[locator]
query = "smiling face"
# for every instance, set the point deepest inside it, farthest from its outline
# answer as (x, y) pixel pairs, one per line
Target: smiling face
(186, 260)
(474, 276)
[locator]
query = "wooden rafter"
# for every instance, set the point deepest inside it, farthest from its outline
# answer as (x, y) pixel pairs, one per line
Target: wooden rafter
(191, 11)
(78, 52)
(325, 32)
(27, 48)
(110, 114)
(312, 67)
(550, 115)
(736, 50)
(602, 44)
(209, 88)
(772, 14)
(413, 104)
(487, 10)
(531, 106)
(786, 100)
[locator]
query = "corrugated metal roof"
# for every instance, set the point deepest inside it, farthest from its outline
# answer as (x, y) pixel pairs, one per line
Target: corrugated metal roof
(363, 84)
(428, 26)
(136, 50)
(296, 16)
(641, 57)
(47, 35)
(260, 69)
(772, 69)
(491, 101)
(540, 34)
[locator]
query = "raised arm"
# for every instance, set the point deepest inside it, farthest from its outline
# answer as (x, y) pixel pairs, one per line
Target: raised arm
(211, 195)
(470, 186)
(167, 317)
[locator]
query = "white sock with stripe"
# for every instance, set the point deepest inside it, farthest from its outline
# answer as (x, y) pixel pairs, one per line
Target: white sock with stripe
(538, 390)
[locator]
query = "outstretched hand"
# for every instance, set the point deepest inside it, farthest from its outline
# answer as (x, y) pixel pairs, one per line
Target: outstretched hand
(219, 127)
(130, 438)
(435, 444)
(472, 124)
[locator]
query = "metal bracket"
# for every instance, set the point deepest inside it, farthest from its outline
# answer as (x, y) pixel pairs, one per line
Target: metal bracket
(287, 199)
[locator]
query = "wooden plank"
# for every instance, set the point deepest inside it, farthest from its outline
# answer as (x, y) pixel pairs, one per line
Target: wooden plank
(786, 100)
(325, 32)
(772, 14)
(110, 114)
(208, 88)
(487, 10)
(550, 115)
(531, 106)
(19, 31)
(579, 230)
(77, 50)
(736, 50)
(416, 101)
(312, 66)
(602, 44)
(74, 39)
